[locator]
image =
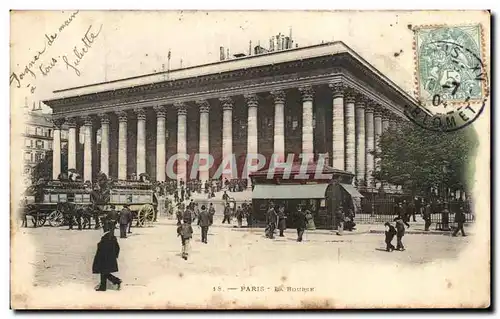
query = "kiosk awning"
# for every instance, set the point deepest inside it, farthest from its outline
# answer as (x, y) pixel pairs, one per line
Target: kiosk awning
(289, 191)
(351, 190)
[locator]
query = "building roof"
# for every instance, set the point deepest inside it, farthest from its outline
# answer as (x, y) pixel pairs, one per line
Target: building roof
(296, 169)
(242, 63)
(38, 118)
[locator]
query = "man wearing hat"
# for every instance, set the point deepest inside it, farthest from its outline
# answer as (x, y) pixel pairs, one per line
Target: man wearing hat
(105, 261)
(125, 219)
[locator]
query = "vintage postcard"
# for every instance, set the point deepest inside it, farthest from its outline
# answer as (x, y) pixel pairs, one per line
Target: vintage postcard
(250, 159)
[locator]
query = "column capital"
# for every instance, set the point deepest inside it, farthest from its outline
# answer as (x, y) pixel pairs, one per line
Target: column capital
(181, 108)
(58, 123)
(350, 96)
(122, 116)
(227, 103)
(87, 120)
(71, 122)
(104, 117)
(377, 110)
(360, 101)
(386, 114)
(252, 100)
(203, 106)
(160, 111)
(369, 108)
(140, 113)
(338, 88)
(279, 96)
(307, 93)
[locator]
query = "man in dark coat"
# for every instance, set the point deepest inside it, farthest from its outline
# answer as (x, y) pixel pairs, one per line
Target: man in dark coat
(239, 216)
(211, 211)
(301, 223)
(272, 220)
(248, 214)
(390, 232)
(227, 214)
(204, 223)
(400, 228)
(281, 220)
(460, 220)
(427, 213)
(125, 219)
(105, 260)
(340, 218)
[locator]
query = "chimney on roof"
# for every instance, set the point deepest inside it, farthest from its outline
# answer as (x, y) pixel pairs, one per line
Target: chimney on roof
(34, 106)
(250, 48)
(222, 57)
(227, 56)
(278, 41)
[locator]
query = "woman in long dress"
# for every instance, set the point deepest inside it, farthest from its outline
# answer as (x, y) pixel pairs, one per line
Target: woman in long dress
(310, 221)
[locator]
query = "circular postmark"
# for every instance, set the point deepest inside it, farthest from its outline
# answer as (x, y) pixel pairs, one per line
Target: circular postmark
(451, 77)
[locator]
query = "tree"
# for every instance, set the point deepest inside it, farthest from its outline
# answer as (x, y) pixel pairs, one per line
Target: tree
(419, 159)
(43, 169)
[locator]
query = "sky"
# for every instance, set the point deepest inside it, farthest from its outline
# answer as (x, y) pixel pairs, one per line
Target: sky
(131, 43)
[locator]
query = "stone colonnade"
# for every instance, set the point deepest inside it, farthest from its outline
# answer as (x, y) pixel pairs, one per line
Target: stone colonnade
(357, 124)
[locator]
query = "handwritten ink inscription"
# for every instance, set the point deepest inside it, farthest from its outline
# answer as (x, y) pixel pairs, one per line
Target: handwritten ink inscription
(38, 67)
(80, 52)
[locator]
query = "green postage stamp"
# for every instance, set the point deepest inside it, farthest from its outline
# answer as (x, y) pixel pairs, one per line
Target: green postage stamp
(449, 65)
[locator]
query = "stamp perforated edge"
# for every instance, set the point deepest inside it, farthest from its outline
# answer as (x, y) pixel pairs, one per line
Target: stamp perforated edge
(482, 48)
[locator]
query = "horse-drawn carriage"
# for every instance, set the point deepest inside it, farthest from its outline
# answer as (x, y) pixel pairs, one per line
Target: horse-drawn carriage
(56, 202)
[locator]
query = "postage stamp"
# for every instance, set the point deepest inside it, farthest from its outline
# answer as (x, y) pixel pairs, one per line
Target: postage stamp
(450, 75)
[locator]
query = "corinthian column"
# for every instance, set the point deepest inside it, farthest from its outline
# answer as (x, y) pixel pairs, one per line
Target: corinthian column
(279, 124)
(338, 147)
(204, 138)
(56, 149)
(252, 135)
(160, 143)
(87, 151)
(377, 117)
(307, 121)
(181, 141)
(122, 145)
(370, 144)
(392, 122)
(71, 122)
(385, 120)
(360, 140)
(350, 134)
(227, 132)
(141, 141)
(104, 143)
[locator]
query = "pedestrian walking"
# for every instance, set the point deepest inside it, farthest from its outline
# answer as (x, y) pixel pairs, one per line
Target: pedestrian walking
(445, 217)
(227, 214)
(310, 220)
(185, 231)
(340, 217)
(204, 222)
(239, 216)
(300, 222)
(460, 220)
(105, 261)
(271, 221)
(400, 232)
(110, 220)
(427, 214)
(281, 220)
(248, 214)
(211, 211)
(390, 232)
(125, 219)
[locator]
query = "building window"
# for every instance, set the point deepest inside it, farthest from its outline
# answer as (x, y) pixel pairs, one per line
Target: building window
(38, 156)
(27, 156)
(27, 142)
(38, 131)
(39, 144)
(45, 133)
(50, 145)
(50, 132)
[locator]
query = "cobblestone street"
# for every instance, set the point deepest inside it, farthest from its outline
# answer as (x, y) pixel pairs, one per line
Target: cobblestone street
(227, 262)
